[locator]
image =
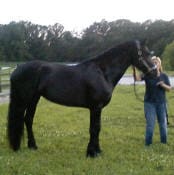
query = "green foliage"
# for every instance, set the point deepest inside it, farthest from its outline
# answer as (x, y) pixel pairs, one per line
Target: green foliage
(168, 57)
(24, 41)
(62, 136)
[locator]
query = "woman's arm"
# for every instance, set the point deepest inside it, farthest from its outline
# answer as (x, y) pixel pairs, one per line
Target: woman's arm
(164, 86)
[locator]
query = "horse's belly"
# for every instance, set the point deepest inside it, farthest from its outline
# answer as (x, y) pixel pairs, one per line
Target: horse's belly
(68, 97)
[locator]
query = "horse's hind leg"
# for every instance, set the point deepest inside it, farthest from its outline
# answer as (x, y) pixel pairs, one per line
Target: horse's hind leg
(93, 148)
(29, 122)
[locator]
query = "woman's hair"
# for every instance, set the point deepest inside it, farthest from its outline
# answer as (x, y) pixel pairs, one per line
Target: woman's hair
(159, 61)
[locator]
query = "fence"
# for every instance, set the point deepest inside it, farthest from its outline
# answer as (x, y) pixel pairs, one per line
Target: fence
(5, 73)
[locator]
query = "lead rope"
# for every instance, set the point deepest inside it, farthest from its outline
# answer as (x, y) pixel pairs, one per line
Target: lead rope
(135, 90)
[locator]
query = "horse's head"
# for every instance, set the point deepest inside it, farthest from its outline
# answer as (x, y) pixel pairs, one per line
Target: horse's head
(143, 59)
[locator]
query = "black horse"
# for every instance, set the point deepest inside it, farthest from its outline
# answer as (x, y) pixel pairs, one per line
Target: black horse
(88, 84)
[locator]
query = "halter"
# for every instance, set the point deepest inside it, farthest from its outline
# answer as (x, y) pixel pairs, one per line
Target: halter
(141, 59)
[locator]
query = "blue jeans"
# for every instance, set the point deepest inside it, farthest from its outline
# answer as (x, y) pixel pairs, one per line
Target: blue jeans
(153, 110)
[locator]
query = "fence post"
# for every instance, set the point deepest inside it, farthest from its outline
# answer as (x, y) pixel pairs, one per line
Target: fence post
(0, 80)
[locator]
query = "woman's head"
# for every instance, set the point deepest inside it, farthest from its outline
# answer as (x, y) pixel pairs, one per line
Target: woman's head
(157, 62)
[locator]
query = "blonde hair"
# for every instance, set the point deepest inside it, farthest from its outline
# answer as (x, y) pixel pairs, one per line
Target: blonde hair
(159, 62)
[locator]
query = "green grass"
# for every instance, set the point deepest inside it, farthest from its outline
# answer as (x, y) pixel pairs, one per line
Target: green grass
(62, 136)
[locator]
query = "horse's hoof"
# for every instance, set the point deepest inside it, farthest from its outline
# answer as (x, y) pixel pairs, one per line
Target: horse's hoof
(99, 151)
(15, 149)
(32, 146)
(93, 154)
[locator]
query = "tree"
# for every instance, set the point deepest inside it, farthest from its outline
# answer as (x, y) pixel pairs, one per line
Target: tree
(168, 57)
(23, 41)
(12, 41)
(159, 33)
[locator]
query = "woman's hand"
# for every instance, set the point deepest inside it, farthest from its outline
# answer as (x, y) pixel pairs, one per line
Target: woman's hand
(160, 83)
(163, 85)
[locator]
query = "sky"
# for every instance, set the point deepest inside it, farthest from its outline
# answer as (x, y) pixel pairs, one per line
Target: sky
(76, 15)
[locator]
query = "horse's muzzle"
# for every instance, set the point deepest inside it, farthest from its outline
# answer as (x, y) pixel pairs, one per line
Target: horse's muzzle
(153, 71)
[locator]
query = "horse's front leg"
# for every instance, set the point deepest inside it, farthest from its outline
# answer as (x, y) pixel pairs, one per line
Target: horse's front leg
(93, 148)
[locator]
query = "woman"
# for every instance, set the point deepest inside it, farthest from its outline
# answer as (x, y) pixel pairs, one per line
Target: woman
(155, 102)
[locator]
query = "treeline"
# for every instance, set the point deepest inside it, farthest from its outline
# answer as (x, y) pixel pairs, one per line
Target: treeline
(23, 41)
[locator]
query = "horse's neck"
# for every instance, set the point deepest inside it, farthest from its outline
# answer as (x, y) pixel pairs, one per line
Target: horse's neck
(115, 71)
(114, 63)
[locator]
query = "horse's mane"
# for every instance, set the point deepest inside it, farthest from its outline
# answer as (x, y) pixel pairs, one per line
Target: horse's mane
(110, 53)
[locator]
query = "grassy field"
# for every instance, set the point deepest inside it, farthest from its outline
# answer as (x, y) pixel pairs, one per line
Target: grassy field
(62, 136)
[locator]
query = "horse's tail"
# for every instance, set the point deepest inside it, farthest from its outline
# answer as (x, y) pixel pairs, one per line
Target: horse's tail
(15, 120)
(23, 83)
